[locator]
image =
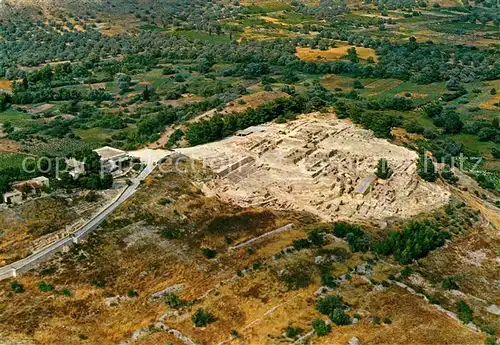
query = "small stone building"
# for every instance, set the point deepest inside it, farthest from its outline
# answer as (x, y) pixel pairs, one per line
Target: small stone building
(14, 197)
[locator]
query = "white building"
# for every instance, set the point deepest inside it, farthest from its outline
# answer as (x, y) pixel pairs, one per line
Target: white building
(111, 158)
(14, 197)
(75, 168)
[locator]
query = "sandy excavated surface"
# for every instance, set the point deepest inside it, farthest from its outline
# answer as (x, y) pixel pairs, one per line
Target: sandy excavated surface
(316, 164)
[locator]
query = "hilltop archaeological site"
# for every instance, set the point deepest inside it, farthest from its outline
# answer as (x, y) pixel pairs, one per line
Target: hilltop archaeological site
(319, 164)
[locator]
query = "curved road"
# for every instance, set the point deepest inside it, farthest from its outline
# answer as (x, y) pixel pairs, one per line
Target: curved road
(36, 258)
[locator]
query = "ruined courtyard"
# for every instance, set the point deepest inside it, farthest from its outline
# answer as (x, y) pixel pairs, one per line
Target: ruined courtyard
(320, 164)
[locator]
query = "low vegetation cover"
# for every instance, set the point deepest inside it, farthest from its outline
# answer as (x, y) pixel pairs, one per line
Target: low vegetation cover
(171, 74)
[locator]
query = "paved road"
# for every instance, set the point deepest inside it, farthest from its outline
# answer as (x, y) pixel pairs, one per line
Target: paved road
(45, 253)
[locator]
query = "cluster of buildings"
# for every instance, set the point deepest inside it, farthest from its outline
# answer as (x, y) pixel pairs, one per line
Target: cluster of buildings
(112, 160)
(21, 190)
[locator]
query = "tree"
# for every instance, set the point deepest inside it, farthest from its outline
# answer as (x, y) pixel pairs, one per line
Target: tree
(415, 241)
(316, 238)
(173, 301)
(147, 94)
(209, 253)
(123, 81)
(8, 127)
(433, 110)
(327, 305)
(452, 123)
(352, 55)
(293, 332)
(5, 99)
(339, 317)
(91, 160)
(426, 168)
(320, 327)
(358, 85)
(493, 91)
(328, 280)
(452, 84)
(448, 175)
(201, 318)
(464, 312)
(495, 153)
(383, 170)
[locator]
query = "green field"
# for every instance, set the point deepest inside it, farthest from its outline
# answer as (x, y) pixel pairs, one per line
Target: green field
(472, 143)
(11, 160)
(13, 116)
(203, 36)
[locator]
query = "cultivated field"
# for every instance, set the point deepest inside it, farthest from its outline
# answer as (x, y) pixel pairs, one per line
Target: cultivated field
(333, 54)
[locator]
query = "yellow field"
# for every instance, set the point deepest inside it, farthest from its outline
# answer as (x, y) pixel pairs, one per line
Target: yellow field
(332, 81)
(490, 104)
(332, 54)
(254, 100)
(488, 101)
(6, 85)
(261, 34)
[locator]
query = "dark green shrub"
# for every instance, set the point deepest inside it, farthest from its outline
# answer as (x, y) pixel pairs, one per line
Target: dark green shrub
(45, 287)
(17, 287)
(301, 243)
(164, 202)
(132, 293)
(327, 304)
(293, 332)
(209, 253)
(339, 317)
(316, 238)
(449, 283)
(383, 170)
(173, 301)
(490, 341)
(426, 168)
(320, 327)
(328, 280)
(201, 318)
(464, 312)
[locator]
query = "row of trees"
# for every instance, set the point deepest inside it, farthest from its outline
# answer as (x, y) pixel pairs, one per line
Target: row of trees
(414, 241)
(219, 126)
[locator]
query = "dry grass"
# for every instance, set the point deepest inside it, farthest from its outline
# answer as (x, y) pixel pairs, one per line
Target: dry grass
(332, 81)
(490, 104)
(7, 145)
(262, 34)
(333, 54)
(5, 85)
(131, 253)
(414, 321)
(25, 223)
(138, 257)
(274, 20)
(254, 100)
